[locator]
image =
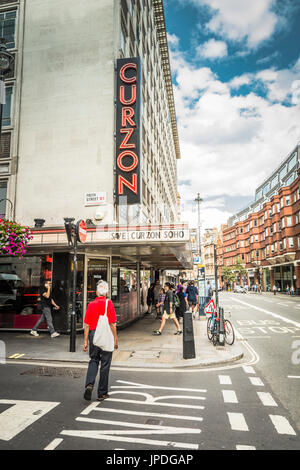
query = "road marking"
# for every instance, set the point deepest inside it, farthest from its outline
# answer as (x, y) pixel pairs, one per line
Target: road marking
(256, 381)
(293, 376)
(243, 447)
(282, 425)
(249, 369)
(225, 380)
(275, 315)
(140, 413)
(281, 303)
(229, 396)
(21, 415)
(54, 444)
(16, 356)
(267, 399)
(237, 422)
(152, 387)
(146, 428)
(134, 440)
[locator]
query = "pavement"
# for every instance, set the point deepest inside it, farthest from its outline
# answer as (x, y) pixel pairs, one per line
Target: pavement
(138, 347)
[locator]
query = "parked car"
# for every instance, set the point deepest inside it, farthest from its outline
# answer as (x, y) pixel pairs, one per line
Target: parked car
(240, 290)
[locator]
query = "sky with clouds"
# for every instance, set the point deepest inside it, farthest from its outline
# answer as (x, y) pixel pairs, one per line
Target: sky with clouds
(236, 75)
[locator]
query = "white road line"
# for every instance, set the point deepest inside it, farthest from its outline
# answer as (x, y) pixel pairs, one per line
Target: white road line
(243, 447)
(144, 403)
(54, 444)
(267, 312)
(152, 387)
(282, 425)
(256, 381)
(249, 370)
(225, 380)
(293, 376)
(229, 396)
(143, 413)
(237, 422)
(267, 399)
(281, 303)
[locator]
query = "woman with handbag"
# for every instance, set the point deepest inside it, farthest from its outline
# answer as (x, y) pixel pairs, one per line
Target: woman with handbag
(100, 335)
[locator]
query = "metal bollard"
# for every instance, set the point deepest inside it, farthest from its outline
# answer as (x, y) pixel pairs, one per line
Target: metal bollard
(221, 331)
(188, 336)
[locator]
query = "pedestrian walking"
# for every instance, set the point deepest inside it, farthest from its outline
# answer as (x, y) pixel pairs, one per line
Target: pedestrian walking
(192, 297)
(99, 306)
(46, 302)
(169, 313)
(292, 290)
(274, 289)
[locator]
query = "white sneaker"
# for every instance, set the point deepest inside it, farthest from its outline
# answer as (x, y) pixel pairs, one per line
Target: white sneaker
(54, 335)
(34, 333)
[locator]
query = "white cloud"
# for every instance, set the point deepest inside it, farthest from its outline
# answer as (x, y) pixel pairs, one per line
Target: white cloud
(237, 20)
(212, 49)
(229, 144)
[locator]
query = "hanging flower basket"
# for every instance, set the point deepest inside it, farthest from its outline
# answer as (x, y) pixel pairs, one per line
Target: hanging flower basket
(14, 238)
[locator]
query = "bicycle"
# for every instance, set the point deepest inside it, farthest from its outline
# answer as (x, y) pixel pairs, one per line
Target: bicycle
(213, 329)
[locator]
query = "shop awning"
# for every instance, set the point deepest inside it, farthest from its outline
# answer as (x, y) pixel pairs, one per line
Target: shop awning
(158, 246)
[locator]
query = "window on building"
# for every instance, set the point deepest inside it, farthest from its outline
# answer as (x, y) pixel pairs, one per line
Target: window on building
(288, 221)
(274, 227)
(287, 200)
(7, 107)
(8, 28)
(284, 243)
(298, 241)
(256, 238)
(281, 202)
(291, 242)
(3, 195)
(292, 162)
(283, 172)
(266, 188)
(282, 222)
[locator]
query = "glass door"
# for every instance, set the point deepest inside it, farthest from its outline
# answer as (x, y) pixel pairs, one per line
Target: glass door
(97, 270)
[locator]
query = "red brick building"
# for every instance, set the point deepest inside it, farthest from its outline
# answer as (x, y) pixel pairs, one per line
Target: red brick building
(265, 236)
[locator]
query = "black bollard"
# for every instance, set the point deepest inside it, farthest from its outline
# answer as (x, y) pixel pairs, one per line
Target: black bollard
(188, 336)
(221, 331)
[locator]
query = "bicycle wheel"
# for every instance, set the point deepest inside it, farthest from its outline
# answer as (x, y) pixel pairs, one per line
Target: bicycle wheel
(209, 332)
(229, 332)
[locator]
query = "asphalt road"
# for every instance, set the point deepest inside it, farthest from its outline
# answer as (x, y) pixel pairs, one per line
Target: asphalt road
(248, 405)
(271, 325)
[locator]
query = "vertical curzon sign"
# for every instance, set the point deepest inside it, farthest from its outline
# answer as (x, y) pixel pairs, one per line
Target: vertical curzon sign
(128, 128)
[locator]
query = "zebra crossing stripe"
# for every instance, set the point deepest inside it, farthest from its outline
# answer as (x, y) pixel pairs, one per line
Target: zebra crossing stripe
(243, 447)
(229, 396)
(237, 422)
(267, 399)
(282, 425)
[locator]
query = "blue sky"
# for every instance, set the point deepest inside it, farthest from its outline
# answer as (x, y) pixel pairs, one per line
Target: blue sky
(236, 75)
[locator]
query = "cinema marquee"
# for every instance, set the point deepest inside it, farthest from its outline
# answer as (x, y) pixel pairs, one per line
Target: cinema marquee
(128, 128)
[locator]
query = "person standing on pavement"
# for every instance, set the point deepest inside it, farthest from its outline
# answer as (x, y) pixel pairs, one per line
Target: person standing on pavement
(183, 305)
(150, 297)
(97, 355)
(274, 289)
(47, 302)
(168, 311)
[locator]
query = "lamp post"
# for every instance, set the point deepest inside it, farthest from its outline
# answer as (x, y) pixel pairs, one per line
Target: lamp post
(6, 62)
(199, 200)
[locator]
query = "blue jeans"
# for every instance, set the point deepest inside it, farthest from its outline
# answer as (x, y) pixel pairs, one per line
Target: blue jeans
(46, 315)
(97, 356)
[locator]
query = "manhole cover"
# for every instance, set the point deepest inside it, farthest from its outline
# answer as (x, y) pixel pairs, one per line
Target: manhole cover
(55, 372)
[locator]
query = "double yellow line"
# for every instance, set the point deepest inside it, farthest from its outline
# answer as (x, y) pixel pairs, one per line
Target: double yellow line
(16, 356)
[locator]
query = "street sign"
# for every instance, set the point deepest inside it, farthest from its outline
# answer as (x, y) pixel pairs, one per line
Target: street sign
(81, 231)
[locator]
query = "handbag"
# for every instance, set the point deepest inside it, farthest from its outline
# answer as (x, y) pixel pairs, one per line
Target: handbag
(103, 337)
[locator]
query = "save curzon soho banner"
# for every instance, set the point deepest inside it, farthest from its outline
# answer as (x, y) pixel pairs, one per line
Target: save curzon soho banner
(128, 131)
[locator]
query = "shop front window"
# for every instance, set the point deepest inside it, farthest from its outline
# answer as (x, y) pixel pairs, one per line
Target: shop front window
(20, 282)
